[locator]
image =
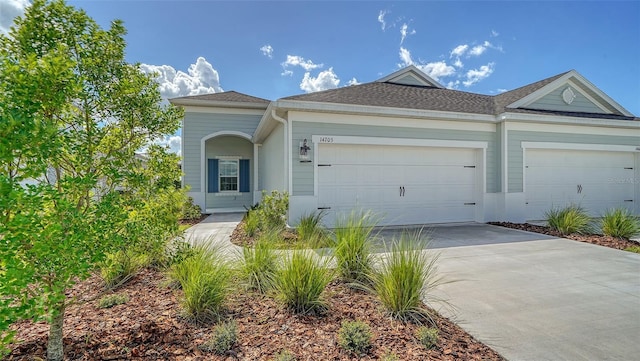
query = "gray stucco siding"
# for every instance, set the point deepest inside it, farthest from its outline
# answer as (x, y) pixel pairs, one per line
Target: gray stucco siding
(199, 125)
(303, 178)
(553, 101)
(516, 137)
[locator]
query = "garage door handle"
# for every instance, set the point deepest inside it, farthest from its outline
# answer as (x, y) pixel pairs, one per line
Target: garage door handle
(470, 204)
(321, 208)
(628, 200)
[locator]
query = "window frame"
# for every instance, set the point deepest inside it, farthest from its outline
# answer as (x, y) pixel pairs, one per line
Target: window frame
(221, 161)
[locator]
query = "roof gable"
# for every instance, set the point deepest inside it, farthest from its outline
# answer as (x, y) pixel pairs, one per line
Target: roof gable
(410, 75)
(568, 92)
(228, 98)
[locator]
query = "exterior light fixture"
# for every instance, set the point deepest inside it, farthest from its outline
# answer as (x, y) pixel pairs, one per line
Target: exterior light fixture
(304, 152)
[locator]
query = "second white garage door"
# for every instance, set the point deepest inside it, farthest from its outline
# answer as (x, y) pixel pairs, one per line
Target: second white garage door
(595, 180)
(401, 185)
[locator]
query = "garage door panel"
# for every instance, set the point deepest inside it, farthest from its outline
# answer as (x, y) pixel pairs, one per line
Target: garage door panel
(439, 183)
(557, 178)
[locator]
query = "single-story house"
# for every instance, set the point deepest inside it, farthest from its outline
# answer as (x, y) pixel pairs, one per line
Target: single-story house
(414, 152)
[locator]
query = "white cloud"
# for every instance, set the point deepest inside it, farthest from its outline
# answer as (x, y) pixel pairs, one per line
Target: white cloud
(459, 50)
(453, 84)
(173, 142)
(435, 70)
(404, 31)
(201, 78)
(295, 60)
(327, 79)
(287, 73)
(494, 33)
(458, 63)
(477, 50)
(9, 10)
(475, 75)
(353, 81)
(381, 19)
(267, 50)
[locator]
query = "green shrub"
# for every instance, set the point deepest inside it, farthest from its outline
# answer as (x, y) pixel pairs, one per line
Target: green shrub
(301, 281)
(251, 223)
(109, 301)
(634, 249)
(273, 210)
(405, 277)
(285, 355)
(355, 337)
(571, 219)
(311, 232)
(224, 338)
(259, 267)
(205, 279)
(353, 246)
(121, 266)
(620, 223)
(427, 336)
(190, 210)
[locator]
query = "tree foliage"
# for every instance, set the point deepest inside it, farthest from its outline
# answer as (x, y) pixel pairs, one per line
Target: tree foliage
(73, 114)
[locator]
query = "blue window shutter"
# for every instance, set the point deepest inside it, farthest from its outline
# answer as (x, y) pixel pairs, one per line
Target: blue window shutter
(212, 176)
(244, 175)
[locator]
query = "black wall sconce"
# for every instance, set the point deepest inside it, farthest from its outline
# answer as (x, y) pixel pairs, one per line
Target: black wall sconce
(304, 152)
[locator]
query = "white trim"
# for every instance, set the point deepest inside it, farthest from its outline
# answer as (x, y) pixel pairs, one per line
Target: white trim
(413, 70)
(589, 97)
(505, 157)
(256, 157)
(203, 153)
(572, 125)
(228, 157)
(559, 82)
(289, 154)
(386, 121)
(409, 142)
(580, 146)
(222, 110)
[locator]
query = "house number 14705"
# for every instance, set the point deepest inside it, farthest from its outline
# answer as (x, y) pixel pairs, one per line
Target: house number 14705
(326, 139)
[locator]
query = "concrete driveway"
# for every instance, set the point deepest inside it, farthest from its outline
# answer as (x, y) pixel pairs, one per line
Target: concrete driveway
(533, 297)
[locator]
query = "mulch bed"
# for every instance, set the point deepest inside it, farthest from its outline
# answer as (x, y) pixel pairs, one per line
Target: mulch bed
(191, 222)
(606, 241)
(149, 327)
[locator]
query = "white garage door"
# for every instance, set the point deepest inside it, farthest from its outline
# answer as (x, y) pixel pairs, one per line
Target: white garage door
(595, 180)
(401, 185)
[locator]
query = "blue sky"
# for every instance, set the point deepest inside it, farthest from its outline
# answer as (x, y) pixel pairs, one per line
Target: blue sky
(274, 49)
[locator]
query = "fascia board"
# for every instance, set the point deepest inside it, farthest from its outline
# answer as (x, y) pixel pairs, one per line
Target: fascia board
(538, 118)
(412, 69)
(264, 126)
(212, 103)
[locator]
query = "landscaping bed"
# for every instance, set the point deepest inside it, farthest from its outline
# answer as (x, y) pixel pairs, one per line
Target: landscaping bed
(601, 240)
(149, 327)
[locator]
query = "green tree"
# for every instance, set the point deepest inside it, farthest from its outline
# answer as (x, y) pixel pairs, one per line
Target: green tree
(73, 113)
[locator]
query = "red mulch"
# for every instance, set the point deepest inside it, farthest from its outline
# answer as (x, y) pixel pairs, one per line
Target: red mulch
(606, 241)
(191, 222)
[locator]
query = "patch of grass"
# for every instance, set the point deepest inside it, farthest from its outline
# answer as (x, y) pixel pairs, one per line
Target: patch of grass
(405, 277)
(224, 338)
(301, 281)
(353, 246)
(427, 336)
(259, 268)
(311, 231)
(121, 266)
(205, 279)
(355, 337)
(389, 356)
(634, 249)
(568, 220)
(285, 355)
(620, 223)
(183, 227)
(251, 222)
(109, 301)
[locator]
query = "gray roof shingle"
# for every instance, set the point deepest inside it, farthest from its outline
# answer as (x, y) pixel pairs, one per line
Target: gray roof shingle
(228, 96)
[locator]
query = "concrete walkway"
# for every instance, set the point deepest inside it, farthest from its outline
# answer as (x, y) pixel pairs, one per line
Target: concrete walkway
(528, 296)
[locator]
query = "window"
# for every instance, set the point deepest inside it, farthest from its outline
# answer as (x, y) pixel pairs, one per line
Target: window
(228, 175)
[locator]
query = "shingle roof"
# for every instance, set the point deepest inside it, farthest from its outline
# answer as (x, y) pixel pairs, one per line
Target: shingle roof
(228, 96)
(431, 98)
(403, 96)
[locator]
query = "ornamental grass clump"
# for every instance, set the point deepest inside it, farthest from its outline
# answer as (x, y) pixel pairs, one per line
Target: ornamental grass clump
(568, 220)
(311, 232)
(404, 278)
(205, 279)
(427, 336)
(355, 337)
(353, 246)
(259, 268)
(121, 266)
(224, 338)
(301, 281)
(620, 223)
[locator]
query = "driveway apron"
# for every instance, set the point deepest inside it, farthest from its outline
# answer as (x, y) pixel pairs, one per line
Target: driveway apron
(540, 298)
